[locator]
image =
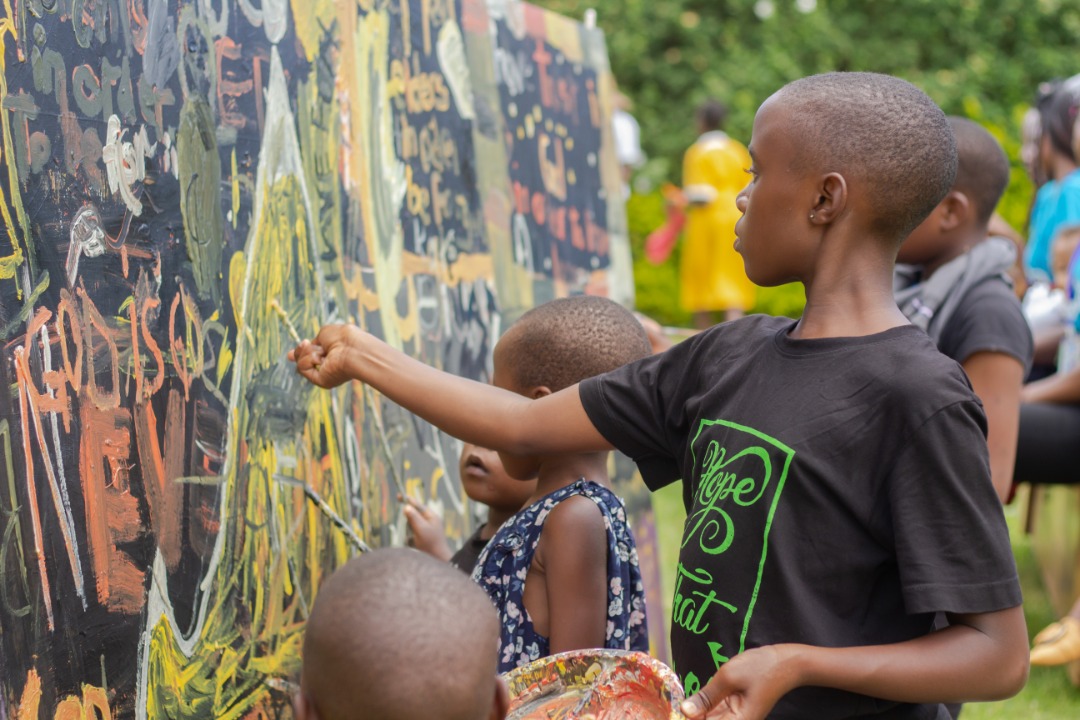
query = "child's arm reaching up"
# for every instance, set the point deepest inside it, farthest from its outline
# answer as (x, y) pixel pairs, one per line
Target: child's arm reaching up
(468, 410)
(979, 657)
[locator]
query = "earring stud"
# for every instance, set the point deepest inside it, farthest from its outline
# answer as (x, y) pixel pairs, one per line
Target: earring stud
(811, 216)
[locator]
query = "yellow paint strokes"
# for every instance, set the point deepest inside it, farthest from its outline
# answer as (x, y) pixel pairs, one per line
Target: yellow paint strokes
(308, 16)
(282, 565)
(380, 175)
(237, 270)
(225, 358)
(565, 35)
(10, 263)
(235, 191)
(253, 628)
(31, 694)
(467, 268)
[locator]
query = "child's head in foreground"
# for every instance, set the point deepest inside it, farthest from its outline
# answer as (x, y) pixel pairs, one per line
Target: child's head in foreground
(962, 217)
(868, 153)
(396, 635)
(559, 344)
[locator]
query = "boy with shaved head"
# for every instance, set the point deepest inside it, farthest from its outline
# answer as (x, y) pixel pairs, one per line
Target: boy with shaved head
(398, 635)
(834, 468)
(954, 285)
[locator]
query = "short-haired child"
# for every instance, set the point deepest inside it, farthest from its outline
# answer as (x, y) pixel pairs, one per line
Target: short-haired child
(486, 483)
(563, 572)
(395, 634)
(954, 284)
(834, 468)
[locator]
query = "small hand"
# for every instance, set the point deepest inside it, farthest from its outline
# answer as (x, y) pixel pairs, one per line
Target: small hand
(325, 362)
(427, 529)
(745, 688)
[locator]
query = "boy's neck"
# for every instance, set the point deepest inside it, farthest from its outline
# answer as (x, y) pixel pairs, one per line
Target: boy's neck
(559, 471)
(496, 519)
(850, 293)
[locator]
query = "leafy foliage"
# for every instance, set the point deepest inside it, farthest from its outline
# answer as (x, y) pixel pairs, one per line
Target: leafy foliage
(978, 58)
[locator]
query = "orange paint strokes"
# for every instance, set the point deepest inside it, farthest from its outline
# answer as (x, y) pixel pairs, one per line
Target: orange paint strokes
(54, 381)
(31, 697)
(31, 488)
(192, 350)
(69, 709)
(148, 308)
(65, 320)
(163, 494)
(93, 320)
(58, 492)
(112, 513)
(136, 358)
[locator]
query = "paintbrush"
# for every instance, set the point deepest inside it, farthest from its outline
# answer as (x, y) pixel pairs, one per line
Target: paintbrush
(285, 319)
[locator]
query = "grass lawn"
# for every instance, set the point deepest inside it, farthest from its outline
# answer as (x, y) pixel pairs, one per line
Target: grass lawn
(1048, 695)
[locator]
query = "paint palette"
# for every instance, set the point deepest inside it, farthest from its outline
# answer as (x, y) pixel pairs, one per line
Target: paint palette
(594, 685)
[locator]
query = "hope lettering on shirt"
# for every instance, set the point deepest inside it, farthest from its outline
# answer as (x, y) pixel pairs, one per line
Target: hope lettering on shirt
(738, 478)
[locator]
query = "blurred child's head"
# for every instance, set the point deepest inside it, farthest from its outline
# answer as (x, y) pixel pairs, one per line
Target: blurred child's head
(1058, 113)
(559, 344)
(1062, 251)
(867, 153)
(396, 634)
(487, 482)
(961, 218)
(710, 115)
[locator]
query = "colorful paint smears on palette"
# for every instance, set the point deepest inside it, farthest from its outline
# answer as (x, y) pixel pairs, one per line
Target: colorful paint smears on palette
(595, 685)
(186, 186)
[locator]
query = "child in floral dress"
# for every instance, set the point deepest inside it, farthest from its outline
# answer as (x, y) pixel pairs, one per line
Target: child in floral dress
(562, 575)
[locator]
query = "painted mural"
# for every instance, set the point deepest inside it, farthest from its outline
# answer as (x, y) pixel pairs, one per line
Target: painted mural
(186, 188)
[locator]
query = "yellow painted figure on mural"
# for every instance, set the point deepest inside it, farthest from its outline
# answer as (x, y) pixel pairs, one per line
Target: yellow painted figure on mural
(711, 273)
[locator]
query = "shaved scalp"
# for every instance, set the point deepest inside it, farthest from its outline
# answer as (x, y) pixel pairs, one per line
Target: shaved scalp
(880, 132)
(563, 342)
(983, 171)
(397, 635)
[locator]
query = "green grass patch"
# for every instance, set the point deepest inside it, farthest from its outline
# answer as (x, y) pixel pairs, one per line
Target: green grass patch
(1048, 695)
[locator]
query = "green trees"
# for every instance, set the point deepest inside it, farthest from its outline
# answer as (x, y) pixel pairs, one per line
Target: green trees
(978, 58)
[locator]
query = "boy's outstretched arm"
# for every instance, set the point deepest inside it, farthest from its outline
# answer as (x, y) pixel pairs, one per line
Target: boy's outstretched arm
(469, 410)
(979, 657)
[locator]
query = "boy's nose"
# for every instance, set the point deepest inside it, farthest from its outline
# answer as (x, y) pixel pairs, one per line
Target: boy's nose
(740, 201)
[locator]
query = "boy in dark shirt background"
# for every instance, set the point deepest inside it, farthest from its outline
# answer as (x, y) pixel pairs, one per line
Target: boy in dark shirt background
(834, 469)
(955, 287)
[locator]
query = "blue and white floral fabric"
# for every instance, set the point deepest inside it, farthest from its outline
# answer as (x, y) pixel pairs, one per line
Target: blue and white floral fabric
(504, 565)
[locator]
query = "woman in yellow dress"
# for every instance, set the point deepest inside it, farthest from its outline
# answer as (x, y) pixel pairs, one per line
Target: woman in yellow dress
(712, 277)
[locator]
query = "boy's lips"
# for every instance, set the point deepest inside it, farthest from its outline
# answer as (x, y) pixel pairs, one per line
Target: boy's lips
(475, 466)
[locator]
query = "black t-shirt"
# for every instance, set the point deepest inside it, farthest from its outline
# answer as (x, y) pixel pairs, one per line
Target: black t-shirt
(837, 492)
(988, 319)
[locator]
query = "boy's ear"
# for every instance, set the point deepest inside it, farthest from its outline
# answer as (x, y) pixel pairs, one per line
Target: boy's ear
(955, 209)
(539, 392)
(831, 200)
(501, 703)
